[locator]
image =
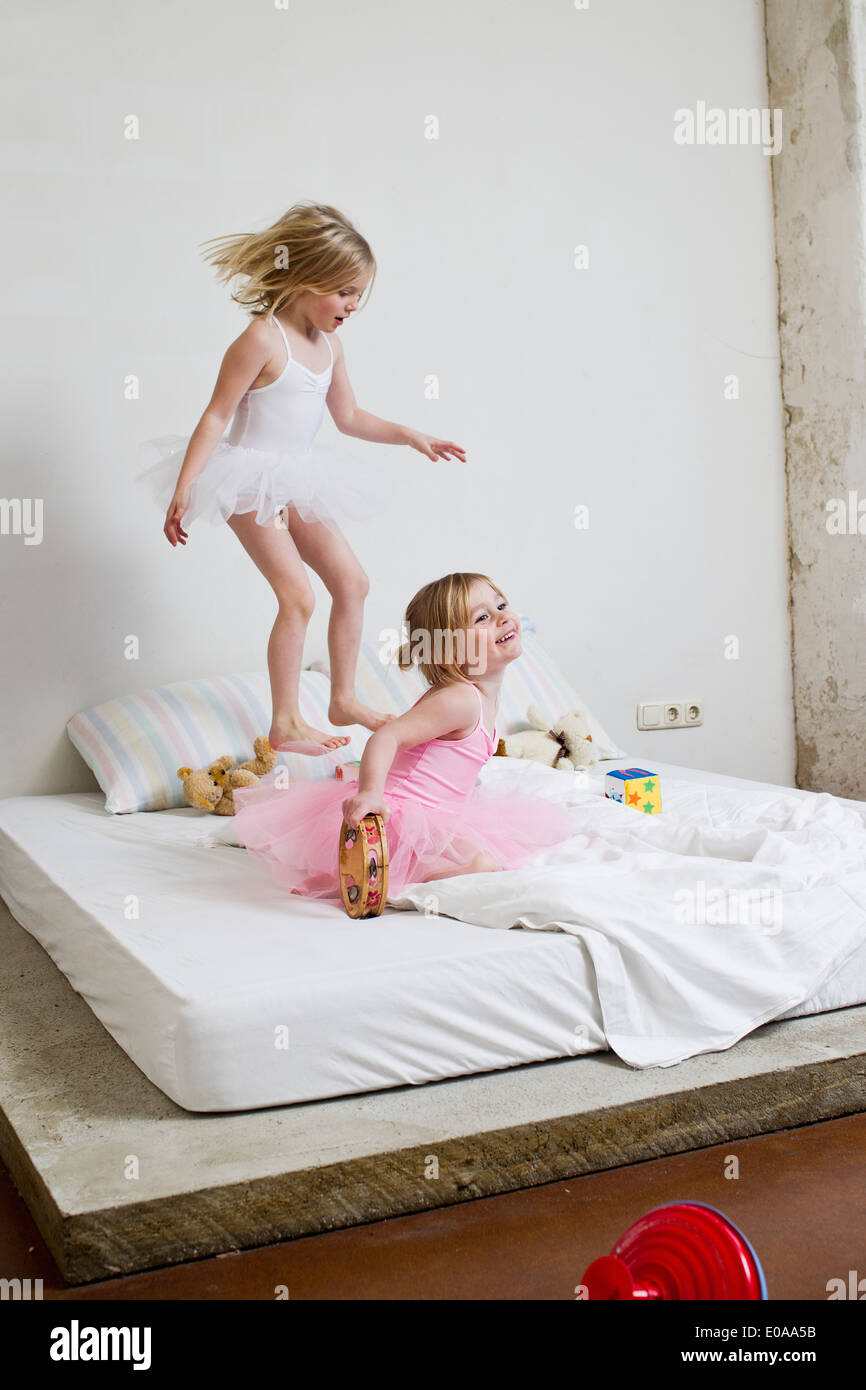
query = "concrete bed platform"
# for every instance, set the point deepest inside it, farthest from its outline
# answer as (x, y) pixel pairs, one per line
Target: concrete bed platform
(120, 1179)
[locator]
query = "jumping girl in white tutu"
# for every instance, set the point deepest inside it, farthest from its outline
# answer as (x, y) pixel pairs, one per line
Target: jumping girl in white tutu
(282, 495)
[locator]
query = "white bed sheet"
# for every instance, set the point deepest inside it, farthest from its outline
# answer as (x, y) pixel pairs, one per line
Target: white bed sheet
(737, 905)
(231, 995)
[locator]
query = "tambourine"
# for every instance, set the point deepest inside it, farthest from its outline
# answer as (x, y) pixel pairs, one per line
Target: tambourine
(363, 866)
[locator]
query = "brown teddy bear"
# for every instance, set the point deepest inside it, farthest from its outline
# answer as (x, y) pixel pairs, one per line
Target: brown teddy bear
(212, 788)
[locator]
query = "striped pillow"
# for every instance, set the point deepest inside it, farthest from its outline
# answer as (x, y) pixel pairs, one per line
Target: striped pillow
(135, 744)
(533, 679)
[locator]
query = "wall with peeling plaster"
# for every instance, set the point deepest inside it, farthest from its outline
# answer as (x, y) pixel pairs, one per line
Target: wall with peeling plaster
(817, 71)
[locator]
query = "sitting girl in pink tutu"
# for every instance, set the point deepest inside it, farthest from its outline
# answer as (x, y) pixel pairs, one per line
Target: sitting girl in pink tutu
(418, 771)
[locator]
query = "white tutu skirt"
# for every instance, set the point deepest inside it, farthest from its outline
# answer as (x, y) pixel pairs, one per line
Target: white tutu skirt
(324, 483)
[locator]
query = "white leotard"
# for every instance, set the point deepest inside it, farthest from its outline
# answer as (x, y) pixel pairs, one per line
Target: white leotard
(288, 412)
(269, 460)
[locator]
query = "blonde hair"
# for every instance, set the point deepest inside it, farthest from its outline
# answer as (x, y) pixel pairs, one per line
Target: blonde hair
(311, 247)
(442, 606)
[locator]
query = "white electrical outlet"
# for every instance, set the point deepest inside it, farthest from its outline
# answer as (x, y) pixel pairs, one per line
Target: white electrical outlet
(670, 714)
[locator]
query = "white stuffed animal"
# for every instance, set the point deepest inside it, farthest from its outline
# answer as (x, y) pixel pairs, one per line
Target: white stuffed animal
(565, 745)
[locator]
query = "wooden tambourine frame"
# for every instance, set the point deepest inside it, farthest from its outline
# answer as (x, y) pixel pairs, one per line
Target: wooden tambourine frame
(363, 867)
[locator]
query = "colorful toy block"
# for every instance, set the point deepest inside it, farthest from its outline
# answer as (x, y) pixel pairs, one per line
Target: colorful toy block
(635, 786)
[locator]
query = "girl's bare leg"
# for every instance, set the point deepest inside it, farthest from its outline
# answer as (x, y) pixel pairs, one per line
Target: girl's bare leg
(274, 553)
(331, 557)
(479, 864)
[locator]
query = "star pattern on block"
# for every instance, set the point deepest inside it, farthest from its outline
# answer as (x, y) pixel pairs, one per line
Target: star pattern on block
(633, 798)
(648, 807)
(649, 786)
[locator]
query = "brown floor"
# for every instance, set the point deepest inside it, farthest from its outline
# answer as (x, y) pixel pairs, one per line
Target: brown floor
(800, 1198)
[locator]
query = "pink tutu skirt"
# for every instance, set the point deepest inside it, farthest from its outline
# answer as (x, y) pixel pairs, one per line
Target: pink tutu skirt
(294, 832)
(324, 483)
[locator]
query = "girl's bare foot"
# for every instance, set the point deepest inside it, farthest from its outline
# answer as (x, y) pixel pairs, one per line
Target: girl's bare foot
(318, 881)
(353, 712)
(301, 737)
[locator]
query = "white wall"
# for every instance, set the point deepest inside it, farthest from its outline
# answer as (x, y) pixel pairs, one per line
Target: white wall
(601, 387)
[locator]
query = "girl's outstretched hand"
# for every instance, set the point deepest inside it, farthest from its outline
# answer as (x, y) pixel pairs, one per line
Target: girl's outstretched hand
(176, 508)
(436, 448)
(356, 807)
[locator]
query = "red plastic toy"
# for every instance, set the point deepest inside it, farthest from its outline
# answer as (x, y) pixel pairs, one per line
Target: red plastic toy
(686, 1250)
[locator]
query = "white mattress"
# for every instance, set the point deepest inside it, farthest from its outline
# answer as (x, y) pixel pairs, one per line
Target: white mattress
(230, 994)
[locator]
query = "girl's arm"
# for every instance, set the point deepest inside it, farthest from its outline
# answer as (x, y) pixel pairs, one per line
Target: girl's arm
(242, 363)
(445, 711)
(360, 424)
